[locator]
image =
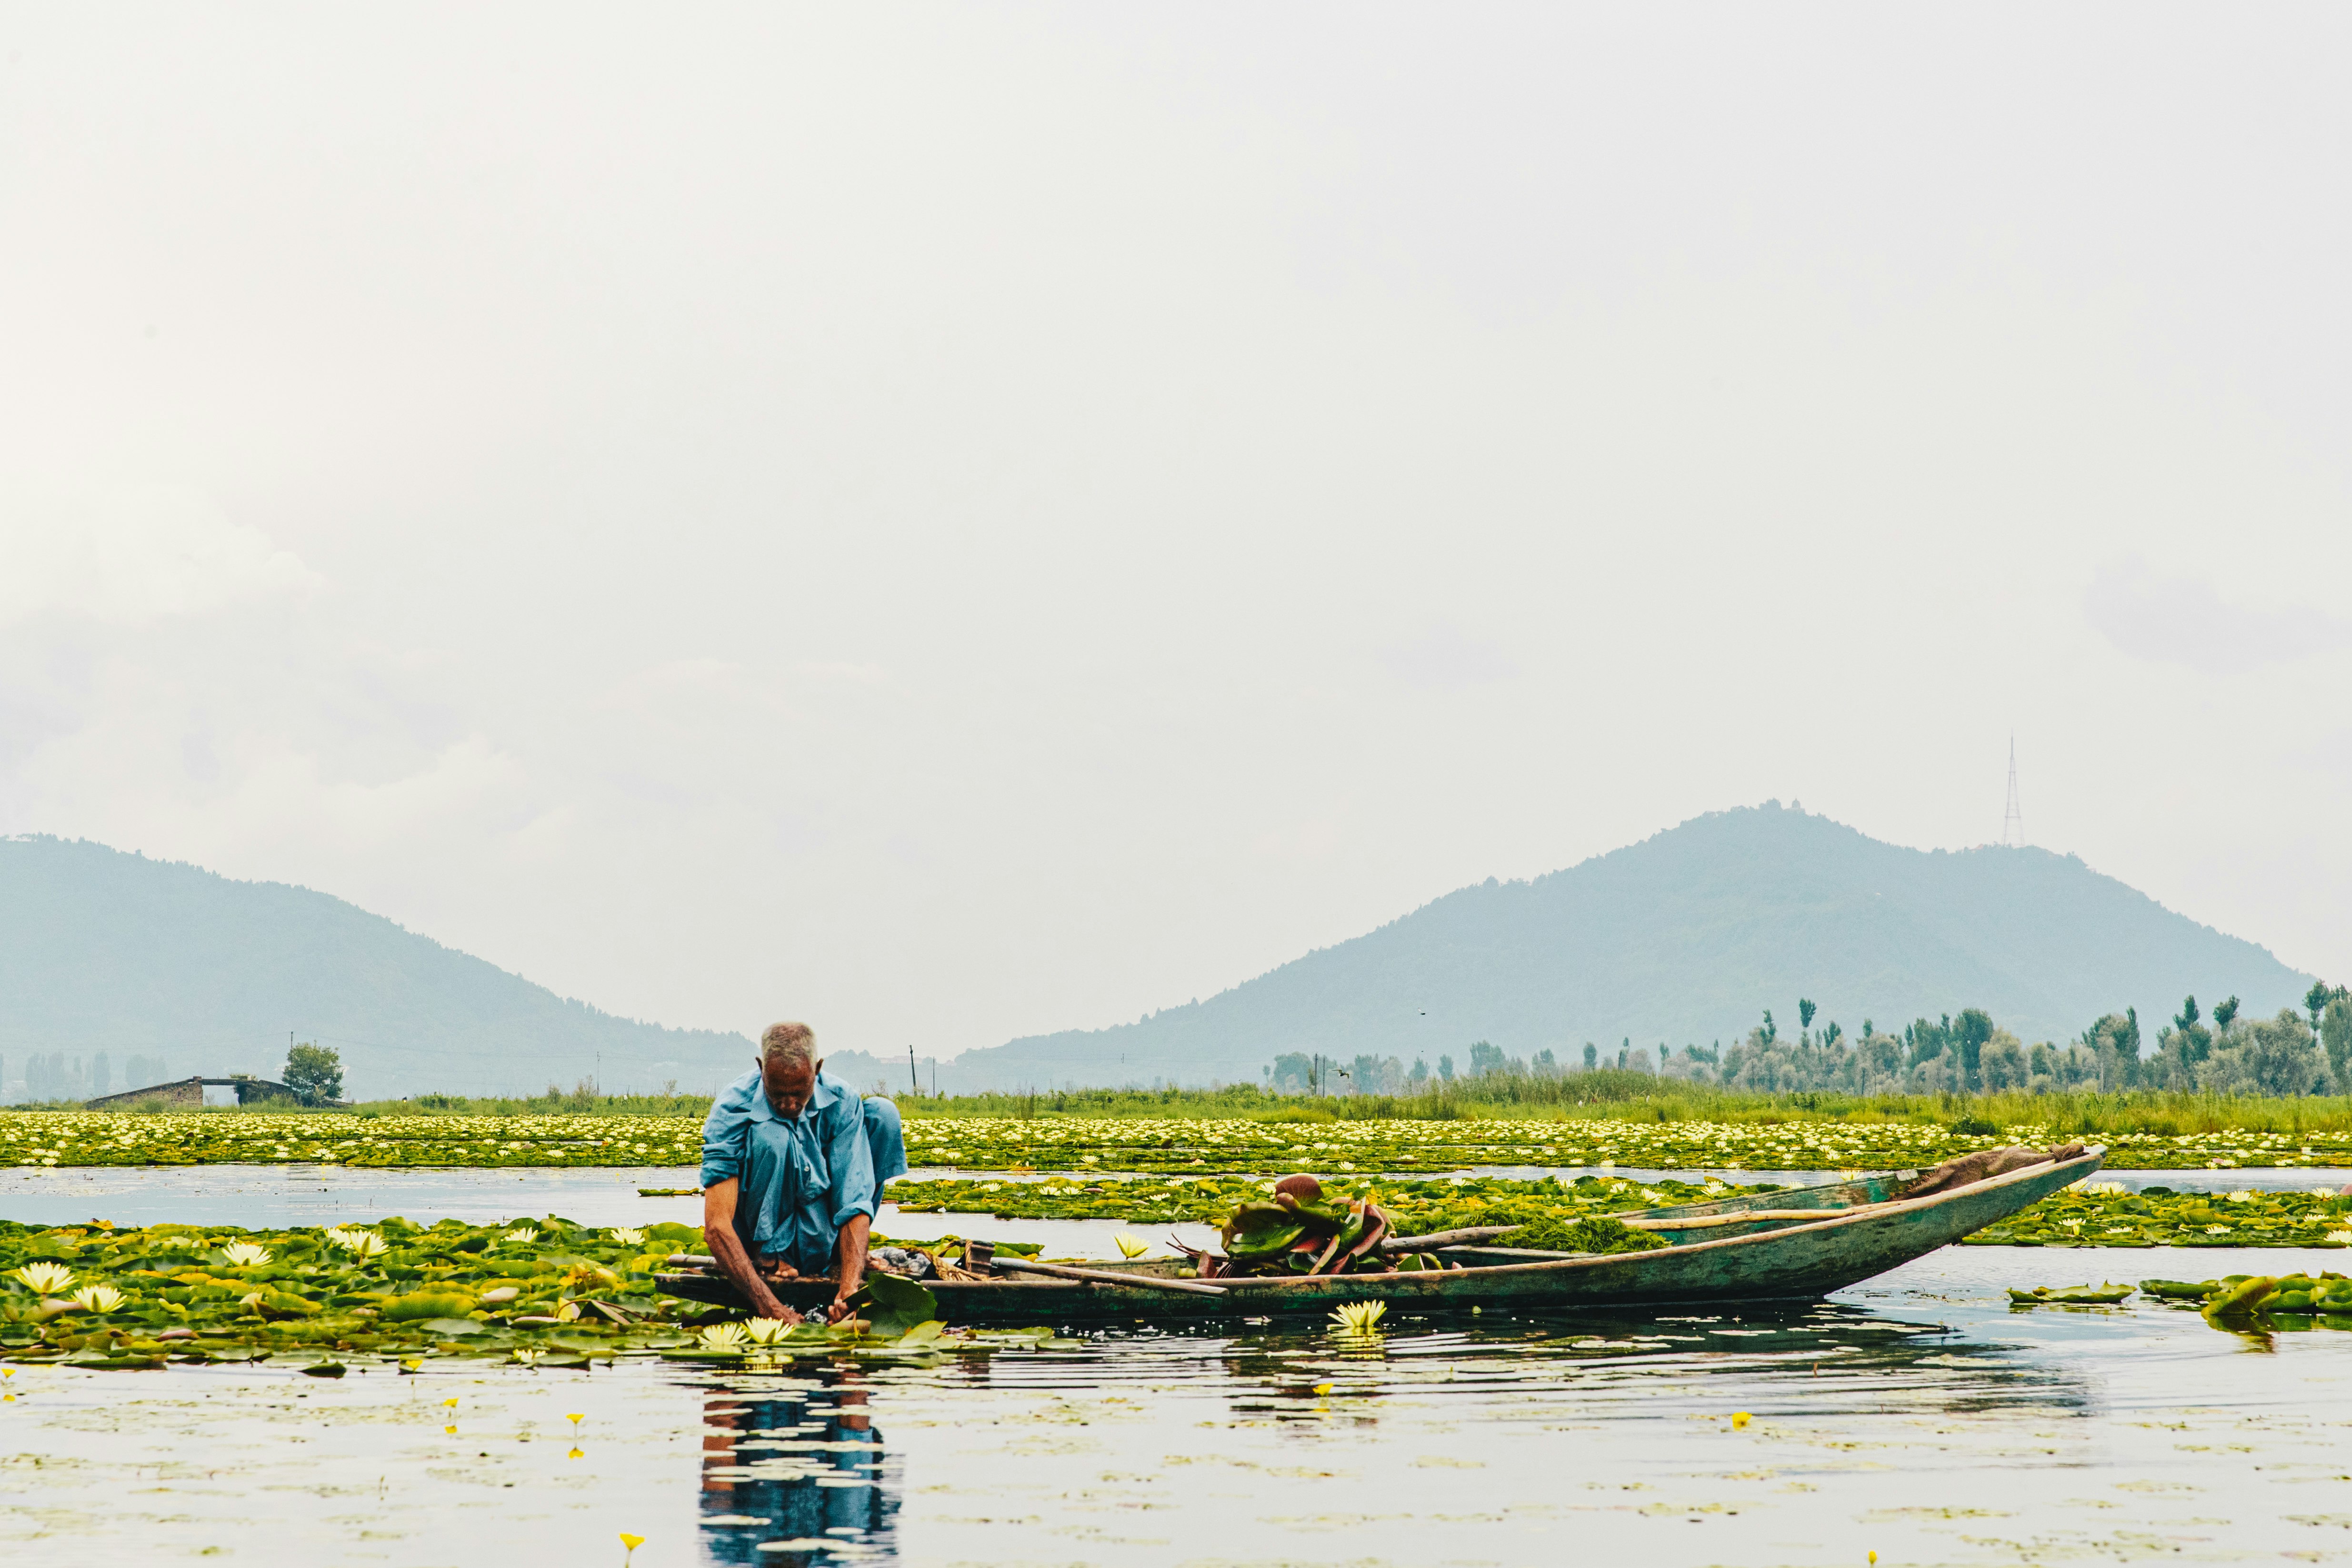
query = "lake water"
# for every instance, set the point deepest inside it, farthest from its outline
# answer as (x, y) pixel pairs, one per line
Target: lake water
(1916, 1415)
(328, 1195)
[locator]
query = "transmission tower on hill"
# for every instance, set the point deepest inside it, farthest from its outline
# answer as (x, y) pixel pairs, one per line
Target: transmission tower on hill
(2012, 821)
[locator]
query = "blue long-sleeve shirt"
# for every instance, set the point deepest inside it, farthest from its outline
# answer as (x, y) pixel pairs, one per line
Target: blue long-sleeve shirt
(800, 1178)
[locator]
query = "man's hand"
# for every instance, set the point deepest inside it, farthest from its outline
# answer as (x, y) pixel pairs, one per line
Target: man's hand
(851, 1272)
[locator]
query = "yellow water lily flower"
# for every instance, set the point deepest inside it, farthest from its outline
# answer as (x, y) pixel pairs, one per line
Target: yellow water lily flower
(724, 1336)
(576, 1419)
(631, 1543)
(765, 1330)
(568, 1312)
(1359, 1317)
(1131, 1246)
(245, 1254)
(98, 1298)
(1739, 1420)
(528, 1357)
(46, 1278)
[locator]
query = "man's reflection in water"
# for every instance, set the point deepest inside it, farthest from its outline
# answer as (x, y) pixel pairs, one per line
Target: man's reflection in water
(804, 1464)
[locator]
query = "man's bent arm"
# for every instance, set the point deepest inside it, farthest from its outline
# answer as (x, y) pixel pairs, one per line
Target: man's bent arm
(726, 1251)
(851, 1270)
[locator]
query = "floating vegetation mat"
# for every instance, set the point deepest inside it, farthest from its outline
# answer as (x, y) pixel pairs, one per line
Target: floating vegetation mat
(1075, 1143)
(2101, 1214)
(1421, 1205)
(538, 1293)
(192, 1138)
(2258, 1305)
(1082, 1143)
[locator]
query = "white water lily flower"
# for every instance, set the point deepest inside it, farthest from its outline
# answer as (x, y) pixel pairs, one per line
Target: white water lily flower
(2244, 1195)
(628, 1238)
(245, 1254)
(358, 1243)
(2105, 1188)
(2217, 1230)
(765, 1330)
(724, 1336)
(46, 1277)
(528, 1357)
(522, 1233)
(1359, 1317)
(98, 1298)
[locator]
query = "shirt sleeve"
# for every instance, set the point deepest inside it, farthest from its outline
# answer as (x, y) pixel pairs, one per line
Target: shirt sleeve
(851, 1161)
(724, 1131)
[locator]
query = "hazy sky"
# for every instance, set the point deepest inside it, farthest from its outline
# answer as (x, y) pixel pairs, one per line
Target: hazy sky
(953, 522)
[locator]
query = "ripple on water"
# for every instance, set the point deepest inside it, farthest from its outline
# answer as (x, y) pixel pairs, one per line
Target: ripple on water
(1916, 1415)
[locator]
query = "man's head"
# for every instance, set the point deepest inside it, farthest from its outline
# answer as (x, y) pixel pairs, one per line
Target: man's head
(787, 1065)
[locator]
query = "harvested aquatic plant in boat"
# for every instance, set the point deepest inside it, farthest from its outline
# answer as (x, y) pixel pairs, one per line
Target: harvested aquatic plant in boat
(1297, 1230)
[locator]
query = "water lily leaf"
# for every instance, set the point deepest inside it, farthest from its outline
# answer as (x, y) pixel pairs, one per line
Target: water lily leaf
(1259, 1231)
(892, 1305)
(921, 1334)
(452, 1326)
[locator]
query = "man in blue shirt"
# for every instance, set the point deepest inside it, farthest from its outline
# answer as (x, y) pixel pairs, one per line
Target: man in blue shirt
(793, 1167)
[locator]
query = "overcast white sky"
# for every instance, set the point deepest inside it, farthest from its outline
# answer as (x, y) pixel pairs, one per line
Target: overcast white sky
(953, 522)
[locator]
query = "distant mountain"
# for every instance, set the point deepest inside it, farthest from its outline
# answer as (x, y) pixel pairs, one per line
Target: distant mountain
(1682, 938)
(1685, 939)
(102, 951)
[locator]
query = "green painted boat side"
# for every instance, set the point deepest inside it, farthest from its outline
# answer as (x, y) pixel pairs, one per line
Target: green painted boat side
(1782, 1260)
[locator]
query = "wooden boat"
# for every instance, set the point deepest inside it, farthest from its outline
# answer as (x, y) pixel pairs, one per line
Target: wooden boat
(1795, 1244)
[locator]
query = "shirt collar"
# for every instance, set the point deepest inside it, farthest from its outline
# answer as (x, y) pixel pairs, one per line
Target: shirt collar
(822, 1098)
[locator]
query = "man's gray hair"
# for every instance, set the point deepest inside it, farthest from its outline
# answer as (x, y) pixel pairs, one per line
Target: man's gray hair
(789, 1045)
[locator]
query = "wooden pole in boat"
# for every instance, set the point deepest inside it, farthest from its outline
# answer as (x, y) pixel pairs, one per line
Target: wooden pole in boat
(1105, 1277)
(1436, 1238)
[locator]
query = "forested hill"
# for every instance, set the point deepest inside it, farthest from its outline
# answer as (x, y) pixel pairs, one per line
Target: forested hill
(102, 951)
(1683, 938)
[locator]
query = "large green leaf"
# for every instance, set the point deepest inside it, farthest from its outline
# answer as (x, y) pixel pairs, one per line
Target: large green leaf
(893, 1305)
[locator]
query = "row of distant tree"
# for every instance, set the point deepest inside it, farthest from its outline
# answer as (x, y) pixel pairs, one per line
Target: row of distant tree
(57, 1076)
(314, 1072)
(2292, 1052)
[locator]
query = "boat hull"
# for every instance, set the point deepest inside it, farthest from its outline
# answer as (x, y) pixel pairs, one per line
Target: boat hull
(1778, 1260)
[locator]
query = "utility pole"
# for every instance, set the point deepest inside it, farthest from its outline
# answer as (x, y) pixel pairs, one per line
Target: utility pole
(914, 1079)
(2012, 821)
